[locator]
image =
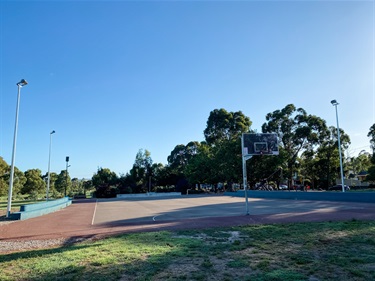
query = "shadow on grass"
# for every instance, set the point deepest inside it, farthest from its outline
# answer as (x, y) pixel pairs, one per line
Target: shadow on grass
(39, 253)
(138, 257)
(276, 252)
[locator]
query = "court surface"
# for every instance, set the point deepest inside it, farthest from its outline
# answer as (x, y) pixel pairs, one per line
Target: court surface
(149, 209)
(91, 218)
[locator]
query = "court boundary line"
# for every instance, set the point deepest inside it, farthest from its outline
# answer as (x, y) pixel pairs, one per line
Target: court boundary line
(93, 216)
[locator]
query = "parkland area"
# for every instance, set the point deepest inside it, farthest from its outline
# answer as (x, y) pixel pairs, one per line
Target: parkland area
(193, 237)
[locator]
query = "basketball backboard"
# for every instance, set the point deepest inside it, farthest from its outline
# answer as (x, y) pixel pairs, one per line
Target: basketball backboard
(260, 144)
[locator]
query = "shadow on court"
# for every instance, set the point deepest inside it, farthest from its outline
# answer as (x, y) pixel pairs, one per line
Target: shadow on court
(117, 212)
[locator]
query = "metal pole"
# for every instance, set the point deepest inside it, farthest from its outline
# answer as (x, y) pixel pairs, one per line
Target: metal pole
(244, 173)
(338, 138)
(66, 176)
(49, 163)
(10, 191)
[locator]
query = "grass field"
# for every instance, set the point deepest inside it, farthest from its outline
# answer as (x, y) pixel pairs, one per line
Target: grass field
(302, 251)
(15, 207)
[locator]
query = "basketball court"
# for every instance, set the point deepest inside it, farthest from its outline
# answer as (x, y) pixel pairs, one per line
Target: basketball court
(148, 210)
(92, 219)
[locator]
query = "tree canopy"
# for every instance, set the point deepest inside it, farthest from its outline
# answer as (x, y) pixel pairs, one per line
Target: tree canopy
(297, 132)
(308, 148)
(223, 125)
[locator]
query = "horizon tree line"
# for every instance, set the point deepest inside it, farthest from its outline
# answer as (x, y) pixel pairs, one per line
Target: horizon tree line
(307, 148)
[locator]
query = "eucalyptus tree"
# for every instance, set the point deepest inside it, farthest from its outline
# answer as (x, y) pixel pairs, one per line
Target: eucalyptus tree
(141, 170)
(359, 163)
(327, 155)
(227, 161)
(200, 168)
(267, 167)
(309, 168)
(297, 132)
(222, 134)
(223, 125)
(181, 155)
(157, 173)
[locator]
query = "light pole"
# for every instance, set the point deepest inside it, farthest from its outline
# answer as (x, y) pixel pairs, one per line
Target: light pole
(20, 84)
(66, 174)
(49, 163)
(335, 104)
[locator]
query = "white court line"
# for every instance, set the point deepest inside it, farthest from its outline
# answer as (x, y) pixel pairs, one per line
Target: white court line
(93, 216)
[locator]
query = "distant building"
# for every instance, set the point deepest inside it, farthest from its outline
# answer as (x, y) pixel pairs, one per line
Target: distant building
(362, 175)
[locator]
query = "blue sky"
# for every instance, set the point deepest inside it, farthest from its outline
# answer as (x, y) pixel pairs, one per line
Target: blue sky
(115, 77)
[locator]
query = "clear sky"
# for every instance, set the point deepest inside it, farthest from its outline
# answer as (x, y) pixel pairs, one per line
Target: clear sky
(115, 77)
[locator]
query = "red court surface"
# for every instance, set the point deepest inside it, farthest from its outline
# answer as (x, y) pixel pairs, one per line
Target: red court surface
(98, 218)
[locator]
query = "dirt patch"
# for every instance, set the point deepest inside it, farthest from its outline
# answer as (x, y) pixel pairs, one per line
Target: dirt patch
(226, 237)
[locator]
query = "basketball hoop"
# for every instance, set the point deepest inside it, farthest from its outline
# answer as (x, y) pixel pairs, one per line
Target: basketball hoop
(261, 144)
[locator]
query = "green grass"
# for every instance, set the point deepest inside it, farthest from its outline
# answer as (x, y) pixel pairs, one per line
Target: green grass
(18, 203)
(303, 251)
(15, 207)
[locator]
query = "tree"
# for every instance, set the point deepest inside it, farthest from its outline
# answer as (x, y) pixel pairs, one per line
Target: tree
(227, 161)
(63, 183)
(87, 185)
(35, 185)
(77, 187)
(142, 170)
(355, 165)
(371, 174)
(371, 135)
(219, 158)
(126, 183)
(371, 170)
(104, 176)
(200, 167)
(19, 179)
(297, 132)
(105, 182)
(166, 176)
(3, 176)
(53, 193)
(180, 157)
(223, 125)
(327, 155)
(267, 167)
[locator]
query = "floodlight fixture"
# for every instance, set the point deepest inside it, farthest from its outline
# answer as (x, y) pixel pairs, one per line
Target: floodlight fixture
(22, 83)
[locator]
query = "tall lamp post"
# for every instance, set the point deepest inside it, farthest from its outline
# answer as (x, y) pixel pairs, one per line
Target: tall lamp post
(335, 104)
(66, 174)
(49, 163)
(20, 84)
